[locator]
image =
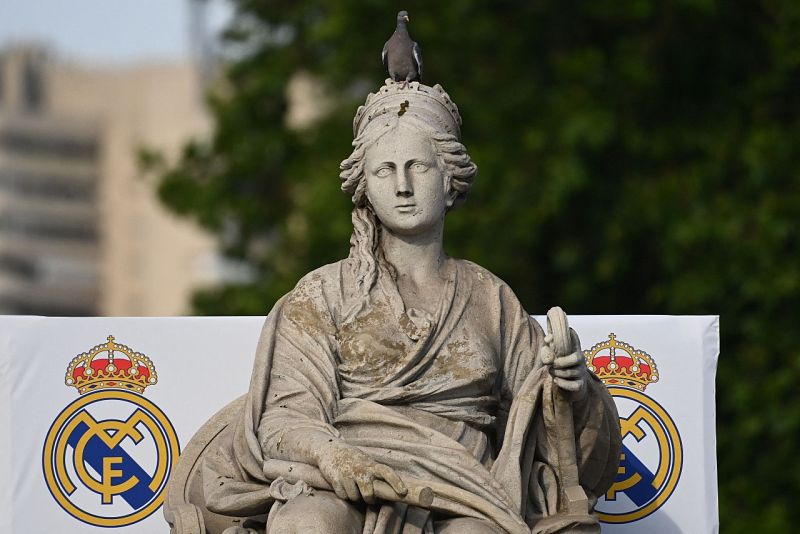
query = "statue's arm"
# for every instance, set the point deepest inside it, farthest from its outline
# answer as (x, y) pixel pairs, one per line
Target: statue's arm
(526, 346)
(521, 337)
(595, 419)
(301, 402)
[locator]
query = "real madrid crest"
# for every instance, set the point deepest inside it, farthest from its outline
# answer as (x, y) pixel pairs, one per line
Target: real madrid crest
(108, 455)
(651, 456)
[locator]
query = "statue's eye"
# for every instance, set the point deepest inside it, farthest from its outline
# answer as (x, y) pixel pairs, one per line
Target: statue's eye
(383, 172)
(419, 167)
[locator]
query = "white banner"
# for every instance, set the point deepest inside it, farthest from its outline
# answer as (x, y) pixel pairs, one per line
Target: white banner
(94, 412)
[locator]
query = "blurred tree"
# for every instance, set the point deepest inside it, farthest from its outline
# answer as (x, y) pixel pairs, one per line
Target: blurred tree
(636, 156)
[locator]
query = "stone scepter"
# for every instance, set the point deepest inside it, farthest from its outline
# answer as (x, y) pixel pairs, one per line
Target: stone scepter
(574, 500)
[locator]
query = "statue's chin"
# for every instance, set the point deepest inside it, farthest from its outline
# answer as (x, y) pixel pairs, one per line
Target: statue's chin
(410, 225)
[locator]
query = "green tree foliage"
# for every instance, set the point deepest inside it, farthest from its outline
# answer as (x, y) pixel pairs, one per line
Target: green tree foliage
(636, 156)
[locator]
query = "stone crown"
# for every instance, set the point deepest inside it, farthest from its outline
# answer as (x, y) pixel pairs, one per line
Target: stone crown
(431, 104)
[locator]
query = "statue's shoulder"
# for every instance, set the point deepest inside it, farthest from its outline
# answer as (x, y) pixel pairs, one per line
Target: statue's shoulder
(327, 286)
(334, 275)
(481, 274)
(315, 302)
(489, 285)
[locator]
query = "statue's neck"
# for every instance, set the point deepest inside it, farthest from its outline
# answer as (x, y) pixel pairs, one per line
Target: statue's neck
(419, 257)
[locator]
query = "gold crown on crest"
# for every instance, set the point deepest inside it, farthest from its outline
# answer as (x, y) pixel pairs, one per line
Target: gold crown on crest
(110, 365)
(617, 363)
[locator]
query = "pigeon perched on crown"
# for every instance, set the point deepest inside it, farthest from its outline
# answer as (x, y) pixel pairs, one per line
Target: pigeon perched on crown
(431, 104)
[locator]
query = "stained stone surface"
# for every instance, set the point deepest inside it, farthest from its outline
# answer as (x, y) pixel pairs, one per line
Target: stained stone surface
(399, 389)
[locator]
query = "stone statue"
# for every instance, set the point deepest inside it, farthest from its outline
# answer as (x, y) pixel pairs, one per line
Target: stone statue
(401, 390)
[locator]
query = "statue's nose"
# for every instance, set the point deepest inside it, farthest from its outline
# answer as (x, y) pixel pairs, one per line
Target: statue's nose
(403, 186)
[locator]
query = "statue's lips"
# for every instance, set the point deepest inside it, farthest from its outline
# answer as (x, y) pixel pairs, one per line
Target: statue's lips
(403, 207)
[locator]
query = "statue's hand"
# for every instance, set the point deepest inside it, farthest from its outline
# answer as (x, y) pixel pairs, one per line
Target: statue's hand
(352, 473)
(568, 370)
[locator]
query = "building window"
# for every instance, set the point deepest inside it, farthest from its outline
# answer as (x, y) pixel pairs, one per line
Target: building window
(32, 87)
(2, 80)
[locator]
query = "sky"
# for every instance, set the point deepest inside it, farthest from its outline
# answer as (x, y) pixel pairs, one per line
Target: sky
(106, 31)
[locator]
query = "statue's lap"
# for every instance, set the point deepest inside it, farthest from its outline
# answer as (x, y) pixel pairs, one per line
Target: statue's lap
(324, 512)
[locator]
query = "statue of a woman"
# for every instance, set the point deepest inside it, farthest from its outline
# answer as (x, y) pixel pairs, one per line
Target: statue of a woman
(400, 368)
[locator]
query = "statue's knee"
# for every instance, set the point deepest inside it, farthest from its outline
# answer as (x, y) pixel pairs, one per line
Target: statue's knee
(238, 530)
(318, 513)
(466, 525)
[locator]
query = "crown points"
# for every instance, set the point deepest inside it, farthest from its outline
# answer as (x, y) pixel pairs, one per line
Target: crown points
(110, 365)
(432, 103)
(617, 363)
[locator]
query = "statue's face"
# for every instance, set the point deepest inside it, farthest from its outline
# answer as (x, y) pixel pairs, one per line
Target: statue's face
(405, 183)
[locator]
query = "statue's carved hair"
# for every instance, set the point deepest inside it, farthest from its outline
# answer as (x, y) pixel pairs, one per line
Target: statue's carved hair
(452, 156)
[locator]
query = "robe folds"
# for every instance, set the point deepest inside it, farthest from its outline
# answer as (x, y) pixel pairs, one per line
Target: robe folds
(457, 398)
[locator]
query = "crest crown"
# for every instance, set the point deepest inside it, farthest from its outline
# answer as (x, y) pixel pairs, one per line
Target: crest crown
(617, 363)
(110, 365)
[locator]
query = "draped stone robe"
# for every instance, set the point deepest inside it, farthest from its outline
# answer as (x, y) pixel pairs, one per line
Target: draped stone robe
(457, 398)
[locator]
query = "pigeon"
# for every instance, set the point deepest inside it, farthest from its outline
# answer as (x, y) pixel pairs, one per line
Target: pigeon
(401, 56)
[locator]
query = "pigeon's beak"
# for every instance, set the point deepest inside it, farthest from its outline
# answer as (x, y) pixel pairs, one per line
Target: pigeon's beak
(408, 19)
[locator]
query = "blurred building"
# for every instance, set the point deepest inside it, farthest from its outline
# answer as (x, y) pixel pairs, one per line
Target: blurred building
(81, 229)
